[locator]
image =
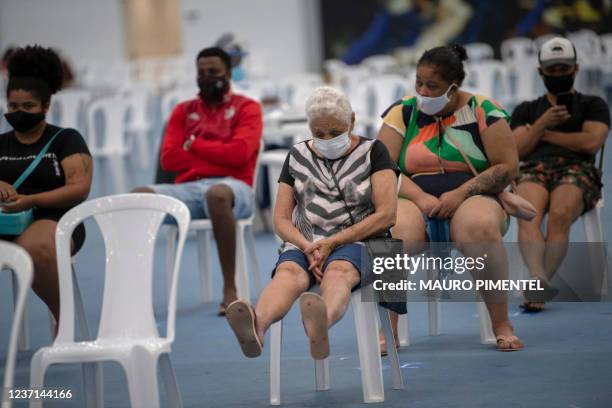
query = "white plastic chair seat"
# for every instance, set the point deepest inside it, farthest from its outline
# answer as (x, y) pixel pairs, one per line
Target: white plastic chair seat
(101, 349)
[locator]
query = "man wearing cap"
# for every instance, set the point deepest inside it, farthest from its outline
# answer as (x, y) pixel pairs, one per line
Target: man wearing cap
(557, 135)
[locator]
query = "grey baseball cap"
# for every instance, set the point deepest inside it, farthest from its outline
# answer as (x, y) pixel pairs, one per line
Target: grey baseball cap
(557, 50)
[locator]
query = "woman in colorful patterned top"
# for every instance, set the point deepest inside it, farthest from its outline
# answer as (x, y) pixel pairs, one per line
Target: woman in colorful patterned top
(420, 133)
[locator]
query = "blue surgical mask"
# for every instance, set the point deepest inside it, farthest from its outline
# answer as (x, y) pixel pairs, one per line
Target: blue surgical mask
(335, 147)
(238, 74)
(430, 105)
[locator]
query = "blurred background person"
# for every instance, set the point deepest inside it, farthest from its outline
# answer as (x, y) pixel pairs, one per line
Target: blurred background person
(558, 136)
(212, 143)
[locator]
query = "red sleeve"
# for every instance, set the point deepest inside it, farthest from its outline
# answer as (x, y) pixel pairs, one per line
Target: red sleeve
(173, 156)
(243, 144)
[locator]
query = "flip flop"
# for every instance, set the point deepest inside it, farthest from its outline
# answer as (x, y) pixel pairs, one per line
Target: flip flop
(222, 309)
(527, 307)
(383, 347)
(241, 318)
(507, 340)
(314, 318)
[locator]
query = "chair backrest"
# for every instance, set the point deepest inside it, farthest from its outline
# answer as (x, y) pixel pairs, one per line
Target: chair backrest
(15, 258)
(129, 224)
(479, 51)
(380, 64)
(137, 96)
(70, 104)
(588, 45)
(172, 98)
(3, 124)
(112, 141)
(518, 49)
(489, 78)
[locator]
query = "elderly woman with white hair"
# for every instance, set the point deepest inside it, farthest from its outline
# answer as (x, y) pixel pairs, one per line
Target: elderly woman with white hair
(335, 190)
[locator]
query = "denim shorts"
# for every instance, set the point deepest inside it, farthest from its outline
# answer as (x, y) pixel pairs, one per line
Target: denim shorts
(193, 194)
(352, 253)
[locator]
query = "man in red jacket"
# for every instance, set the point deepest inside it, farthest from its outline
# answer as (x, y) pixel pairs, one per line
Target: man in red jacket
(212, 143)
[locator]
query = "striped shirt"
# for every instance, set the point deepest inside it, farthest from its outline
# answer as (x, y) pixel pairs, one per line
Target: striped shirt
(319, 211)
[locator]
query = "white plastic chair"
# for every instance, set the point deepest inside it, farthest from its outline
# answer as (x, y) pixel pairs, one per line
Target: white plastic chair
(478, 51)
(111, 144)
(70, 104)
(517, 50)
(139, 123)
(173, 97)
(366, 328)
(127, 333)
(245, 246)
(489, 78)
(380, 64)
(17, 260)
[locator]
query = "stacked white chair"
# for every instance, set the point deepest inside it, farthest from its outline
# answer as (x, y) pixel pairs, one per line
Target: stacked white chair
(128, 332)
(295, 89)
(489, 78)
(380, 64)
(175, 96)
(479, 52)
(70, 104)
(17, 260)
(110, 145)
(245, 248)
(367, 323)
(138, 97)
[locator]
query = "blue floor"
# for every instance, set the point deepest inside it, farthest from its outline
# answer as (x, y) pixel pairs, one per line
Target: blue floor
(567, 361)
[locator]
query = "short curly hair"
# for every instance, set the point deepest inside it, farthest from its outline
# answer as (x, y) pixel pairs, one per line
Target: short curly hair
(35, 69)
(328, 101)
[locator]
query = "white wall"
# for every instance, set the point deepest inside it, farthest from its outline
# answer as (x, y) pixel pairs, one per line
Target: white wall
(80, 29)
(281, 35)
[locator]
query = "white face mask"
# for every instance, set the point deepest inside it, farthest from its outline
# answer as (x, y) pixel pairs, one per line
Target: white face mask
(335, 147)
(431, 105)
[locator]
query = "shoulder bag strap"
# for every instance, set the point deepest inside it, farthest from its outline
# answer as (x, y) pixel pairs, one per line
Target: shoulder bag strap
(26, 173)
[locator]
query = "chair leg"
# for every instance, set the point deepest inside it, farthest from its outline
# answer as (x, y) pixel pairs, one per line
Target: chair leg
(204, 263)
(23, 342)
(276, 335)
(171, 238)
(403, 330)
(594, 235)
(141, 372)
(250, 244)
(433, 309)
(385, 321)
(369, 349)
(118, 170)
(170, 383)
(242, 276)
(92, 373)
(38, 367)
(321, 368)
(486, 329)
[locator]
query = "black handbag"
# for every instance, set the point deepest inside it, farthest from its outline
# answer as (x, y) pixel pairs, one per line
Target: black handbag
(384, 246)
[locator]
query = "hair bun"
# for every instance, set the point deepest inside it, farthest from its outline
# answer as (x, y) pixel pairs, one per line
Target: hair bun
(37, 62)
(460, 51)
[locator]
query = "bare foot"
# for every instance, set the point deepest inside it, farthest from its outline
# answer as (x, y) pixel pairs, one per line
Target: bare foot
(383, 343)
(506, 339)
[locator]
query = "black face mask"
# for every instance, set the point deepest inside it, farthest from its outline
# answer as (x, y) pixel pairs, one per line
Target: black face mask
(23, 121)
(212, 89)
(559, 84)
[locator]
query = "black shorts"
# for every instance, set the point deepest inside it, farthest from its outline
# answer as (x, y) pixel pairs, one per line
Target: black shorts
(78, 235)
